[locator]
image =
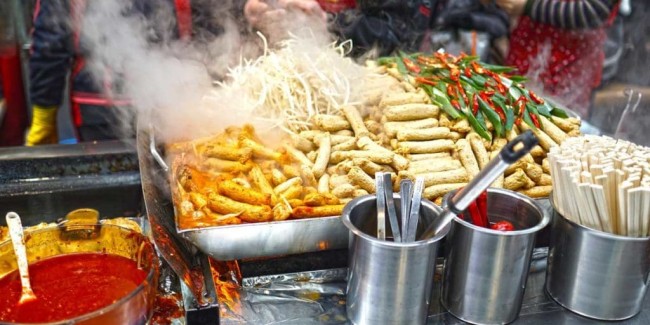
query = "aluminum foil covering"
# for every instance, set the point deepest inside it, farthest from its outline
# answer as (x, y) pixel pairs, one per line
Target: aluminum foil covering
(315, 297)
(318, 297)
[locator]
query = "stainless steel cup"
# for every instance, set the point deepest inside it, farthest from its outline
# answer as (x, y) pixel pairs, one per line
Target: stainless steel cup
(388, 282)
(596, 274)
(486, 270)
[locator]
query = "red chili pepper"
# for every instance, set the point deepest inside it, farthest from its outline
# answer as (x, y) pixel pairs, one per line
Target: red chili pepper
(535, 99)
(468, 72)
(533, 117)
(411, 66)
(462, 93)
(500, 112)
(425, 81)
(477, 68)
(450, 91)
(475, 105)
(501, 88)
(481, 201)
(475, 214)
(426, 60)
(517, 121)
(488, 92)
(454, 74)
(502, 226)
(520, 105)
(441, 56)
(455, 104)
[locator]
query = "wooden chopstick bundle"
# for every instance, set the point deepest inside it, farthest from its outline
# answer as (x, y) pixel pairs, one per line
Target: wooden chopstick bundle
(603, 183)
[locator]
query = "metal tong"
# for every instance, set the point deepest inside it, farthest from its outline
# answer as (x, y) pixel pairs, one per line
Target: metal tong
(410, 207)
(465, 196)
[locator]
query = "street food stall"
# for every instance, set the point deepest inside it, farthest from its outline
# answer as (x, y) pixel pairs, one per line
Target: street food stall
(338, 192)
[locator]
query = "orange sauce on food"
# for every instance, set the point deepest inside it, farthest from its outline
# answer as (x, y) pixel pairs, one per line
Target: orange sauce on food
(67, 286)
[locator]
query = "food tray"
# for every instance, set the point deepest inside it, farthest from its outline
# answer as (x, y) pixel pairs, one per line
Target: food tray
(245, 240)
(252, 240)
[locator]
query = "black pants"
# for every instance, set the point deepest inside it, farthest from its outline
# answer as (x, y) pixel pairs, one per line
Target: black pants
(100, 123)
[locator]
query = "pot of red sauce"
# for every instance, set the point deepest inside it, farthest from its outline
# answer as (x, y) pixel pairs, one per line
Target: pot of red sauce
(81, 274)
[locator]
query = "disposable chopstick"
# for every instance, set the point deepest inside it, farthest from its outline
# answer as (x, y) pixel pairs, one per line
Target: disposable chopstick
(603, 184)
(601, 207)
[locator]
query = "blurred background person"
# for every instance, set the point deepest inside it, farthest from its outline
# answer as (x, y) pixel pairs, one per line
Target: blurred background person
(13, 108)
(379, 28)
(559, 45)
(59, 49)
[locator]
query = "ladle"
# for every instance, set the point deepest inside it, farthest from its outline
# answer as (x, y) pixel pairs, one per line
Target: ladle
(511, 152)
(16, 233)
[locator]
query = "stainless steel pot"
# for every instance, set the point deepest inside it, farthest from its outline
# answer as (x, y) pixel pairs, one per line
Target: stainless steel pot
(597, 274)
(486, 270)
(388, 282)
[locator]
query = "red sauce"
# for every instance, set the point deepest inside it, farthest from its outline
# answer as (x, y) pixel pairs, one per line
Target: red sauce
(69, 285)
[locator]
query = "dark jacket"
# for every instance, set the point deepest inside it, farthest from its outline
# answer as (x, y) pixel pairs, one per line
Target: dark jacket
(385, 25)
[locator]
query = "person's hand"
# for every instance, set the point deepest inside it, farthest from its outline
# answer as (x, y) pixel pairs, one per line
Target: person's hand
(309, 7)
(261, 13)
(43, 129)
(514, 8)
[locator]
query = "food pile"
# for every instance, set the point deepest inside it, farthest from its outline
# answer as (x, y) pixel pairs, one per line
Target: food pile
(233, 178)
(439, 117)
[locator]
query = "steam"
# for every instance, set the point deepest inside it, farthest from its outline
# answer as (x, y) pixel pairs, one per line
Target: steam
(566, 93)
(167, 79)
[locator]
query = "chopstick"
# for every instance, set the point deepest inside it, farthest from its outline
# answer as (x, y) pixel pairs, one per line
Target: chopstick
(603, 183)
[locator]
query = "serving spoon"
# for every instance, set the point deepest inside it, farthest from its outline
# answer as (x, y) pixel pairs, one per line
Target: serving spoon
(17, 239)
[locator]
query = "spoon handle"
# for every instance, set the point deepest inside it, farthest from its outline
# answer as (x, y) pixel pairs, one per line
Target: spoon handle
(16, 233)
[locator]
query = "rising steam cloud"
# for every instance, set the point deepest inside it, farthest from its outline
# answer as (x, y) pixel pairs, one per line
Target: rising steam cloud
(165, 78)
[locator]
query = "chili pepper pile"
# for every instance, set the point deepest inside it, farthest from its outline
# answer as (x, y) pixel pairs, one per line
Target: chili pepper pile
(479, 92)
(477, 213)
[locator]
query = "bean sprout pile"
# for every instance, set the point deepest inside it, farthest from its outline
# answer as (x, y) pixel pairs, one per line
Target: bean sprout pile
(296, 82)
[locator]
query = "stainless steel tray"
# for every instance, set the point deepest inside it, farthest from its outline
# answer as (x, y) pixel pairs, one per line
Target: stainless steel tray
(269, 238)
(245, 240)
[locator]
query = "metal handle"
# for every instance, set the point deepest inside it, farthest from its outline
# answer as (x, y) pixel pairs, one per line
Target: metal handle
(154, 151)
(510, 155)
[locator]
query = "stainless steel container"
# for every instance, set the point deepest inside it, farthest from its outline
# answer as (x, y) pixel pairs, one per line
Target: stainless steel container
(388, 282)
(597, 274)
(486, 270)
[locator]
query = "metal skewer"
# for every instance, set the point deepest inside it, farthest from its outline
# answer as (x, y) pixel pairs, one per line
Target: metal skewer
(392, 213)
(405, 188)
(414, 210)
(381, 207)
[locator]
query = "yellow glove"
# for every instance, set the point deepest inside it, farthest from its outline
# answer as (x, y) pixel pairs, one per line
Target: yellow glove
(43, 129)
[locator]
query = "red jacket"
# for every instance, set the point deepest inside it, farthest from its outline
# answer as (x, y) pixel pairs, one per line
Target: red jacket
(567, 64)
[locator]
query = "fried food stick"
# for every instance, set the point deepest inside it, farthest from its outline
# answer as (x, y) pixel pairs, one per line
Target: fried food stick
(423, 134)
(432, 146)
(229, 153)
(242, 194)
(323, 158)
(467, 158)
(361, 179)
(331, 123)
(356, 122)
(249, 213)
(317, 212)
(410, 112)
